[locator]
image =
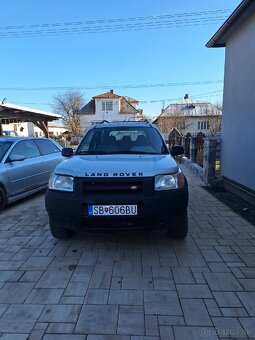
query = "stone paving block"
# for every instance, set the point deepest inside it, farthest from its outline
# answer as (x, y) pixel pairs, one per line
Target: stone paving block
(37, 263)
(108, 337)
(44, 296)
(163, 284)
(195, 312)
(75, 289)
(15, 292)
(248, 301)
(15, 336)
(72, 300)
(183, 275)
(54, 279)
(97, 319)
(219, 267)
(234, 312)
(222, 282)
(131, 320)
(227, 299)
(63, 337)
(125, 297)
(101, 279)
(61, 327)
(248, 284)
(151, 325)
(195, 333)
(11, 275)
(60, 313)
(161, 272)
(171, 320)
(194, 291)
(38, 331)
(127, 268)
(31, 276)
(212, 307)
(249, 273)
(248, 325)
(162, 303)
(10, 265)
(137, 283)
(211, 256)
(20, 318)
(166, 333)
(64, 263)
(229, 327)
(97, 296)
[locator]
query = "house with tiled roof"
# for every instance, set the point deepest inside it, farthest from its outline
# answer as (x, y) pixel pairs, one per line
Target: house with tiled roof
(189, 116)
(111, 107)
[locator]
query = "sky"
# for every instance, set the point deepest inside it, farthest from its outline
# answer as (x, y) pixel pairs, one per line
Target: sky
(153, 51)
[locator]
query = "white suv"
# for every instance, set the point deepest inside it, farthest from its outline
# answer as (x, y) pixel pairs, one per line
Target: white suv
(121, 177)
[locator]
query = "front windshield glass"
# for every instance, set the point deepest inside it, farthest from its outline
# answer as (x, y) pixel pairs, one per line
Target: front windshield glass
(4, 146)
(122, 140)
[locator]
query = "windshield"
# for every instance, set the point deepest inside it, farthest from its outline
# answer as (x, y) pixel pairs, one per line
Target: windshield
(4, 146)
(122, 140)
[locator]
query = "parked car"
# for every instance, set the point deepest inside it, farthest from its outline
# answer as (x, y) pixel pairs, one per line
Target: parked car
(122, 176)
(25, 166)
(10, 133)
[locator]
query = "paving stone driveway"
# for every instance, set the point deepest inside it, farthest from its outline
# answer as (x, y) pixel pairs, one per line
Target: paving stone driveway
(130, 287)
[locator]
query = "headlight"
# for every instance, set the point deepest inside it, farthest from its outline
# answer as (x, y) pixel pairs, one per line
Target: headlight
(168, 182)
(60, 182)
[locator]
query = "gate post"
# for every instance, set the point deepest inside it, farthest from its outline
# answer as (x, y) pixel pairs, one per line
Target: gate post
(209, 159)
(192, 149)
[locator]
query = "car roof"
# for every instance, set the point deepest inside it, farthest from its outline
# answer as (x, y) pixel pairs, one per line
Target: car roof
(123, 124)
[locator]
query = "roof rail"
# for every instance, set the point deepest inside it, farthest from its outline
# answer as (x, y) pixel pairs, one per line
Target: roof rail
(104, 121)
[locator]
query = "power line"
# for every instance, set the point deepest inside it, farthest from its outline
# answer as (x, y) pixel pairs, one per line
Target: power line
(128, 86)
(206, 94)
(115, 25)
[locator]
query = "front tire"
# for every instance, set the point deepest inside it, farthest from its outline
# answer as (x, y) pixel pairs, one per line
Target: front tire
(59, 232)
(179, 228)
(2, 199)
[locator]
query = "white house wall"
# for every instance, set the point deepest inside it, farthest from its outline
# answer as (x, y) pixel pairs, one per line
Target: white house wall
(238, 120)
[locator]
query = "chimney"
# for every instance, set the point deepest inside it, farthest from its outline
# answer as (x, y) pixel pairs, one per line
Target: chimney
(186, 96)
(111, 91)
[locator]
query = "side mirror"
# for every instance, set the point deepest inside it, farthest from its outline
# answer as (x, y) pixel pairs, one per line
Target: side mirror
(16, 158)
(67, 152)
(177, 150)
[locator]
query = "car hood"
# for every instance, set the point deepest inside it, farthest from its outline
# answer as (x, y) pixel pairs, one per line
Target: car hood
(117, 166)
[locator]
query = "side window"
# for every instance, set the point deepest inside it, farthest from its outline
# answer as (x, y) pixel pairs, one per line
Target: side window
(46, 147)
(26, 148)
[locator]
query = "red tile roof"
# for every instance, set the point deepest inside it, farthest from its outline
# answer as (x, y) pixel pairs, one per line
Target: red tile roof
(109, 95)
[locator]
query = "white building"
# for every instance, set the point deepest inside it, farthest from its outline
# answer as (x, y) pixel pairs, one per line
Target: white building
(111, 107)
(28, 129)
(189, 116)
(237, 35)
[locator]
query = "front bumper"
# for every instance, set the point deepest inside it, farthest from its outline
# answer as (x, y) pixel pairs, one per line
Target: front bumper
(155, 209)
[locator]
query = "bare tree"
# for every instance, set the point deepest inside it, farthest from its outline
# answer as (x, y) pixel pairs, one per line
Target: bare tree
(213, 114)
(68, 104)
(174, 119)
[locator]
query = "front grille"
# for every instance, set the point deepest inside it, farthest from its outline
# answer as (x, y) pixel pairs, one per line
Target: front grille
(112, 185)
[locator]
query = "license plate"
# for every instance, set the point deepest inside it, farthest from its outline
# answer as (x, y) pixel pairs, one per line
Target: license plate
(112, 210)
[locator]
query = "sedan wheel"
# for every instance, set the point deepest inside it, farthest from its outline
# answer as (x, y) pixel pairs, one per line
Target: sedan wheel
(2, 199)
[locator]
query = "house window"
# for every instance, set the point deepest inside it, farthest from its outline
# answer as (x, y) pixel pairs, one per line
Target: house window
(198, 125)
(208, 126)
(107, 106)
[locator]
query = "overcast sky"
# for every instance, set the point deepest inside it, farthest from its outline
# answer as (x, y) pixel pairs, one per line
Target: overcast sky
(153, 51)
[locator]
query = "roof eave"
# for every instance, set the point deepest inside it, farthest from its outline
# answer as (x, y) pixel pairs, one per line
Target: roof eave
(220, 37)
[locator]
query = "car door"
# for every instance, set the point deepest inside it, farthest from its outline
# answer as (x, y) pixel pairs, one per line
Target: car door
(52, 156)
(24, 174)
